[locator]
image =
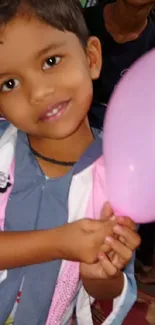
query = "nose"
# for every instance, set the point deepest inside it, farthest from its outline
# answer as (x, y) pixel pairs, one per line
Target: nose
(40, 92)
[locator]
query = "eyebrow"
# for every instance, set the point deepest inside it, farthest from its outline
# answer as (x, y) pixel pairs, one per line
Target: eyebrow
(4, 74)
(53, 46)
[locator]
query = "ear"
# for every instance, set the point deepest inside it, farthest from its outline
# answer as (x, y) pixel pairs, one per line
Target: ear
(94, 56)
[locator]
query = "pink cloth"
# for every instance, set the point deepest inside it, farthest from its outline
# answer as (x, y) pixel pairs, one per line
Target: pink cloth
(68, 279)
(4, 198)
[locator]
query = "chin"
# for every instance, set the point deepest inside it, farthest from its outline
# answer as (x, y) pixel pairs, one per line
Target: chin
(62, 133)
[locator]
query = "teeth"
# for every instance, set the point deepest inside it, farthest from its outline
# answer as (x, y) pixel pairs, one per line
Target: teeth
(54, 112)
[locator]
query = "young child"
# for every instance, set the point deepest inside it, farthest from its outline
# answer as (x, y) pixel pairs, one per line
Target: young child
(49, 159)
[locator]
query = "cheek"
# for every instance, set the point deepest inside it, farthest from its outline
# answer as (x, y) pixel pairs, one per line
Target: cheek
(82, 92)
(14, 109)
(84, 88)
(78, 82)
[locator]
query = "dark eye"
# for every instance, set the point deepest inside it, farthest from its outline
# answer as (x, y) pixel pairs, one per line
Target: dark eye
(51, 62)
(10, 85)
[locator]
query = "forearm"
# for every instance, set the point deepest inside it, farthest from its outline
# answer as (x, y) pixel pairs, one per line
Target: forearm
(26, 248)
(104, 289)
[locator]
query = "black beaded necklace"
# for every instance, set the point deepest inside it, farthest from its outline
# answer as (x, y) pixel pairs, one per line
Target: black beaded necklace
(53, 161)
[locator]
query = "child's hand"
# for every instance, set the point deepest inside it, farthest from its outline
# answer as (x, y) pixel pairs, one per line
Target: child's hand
(82, 240)
(116, 251)
(124, 243)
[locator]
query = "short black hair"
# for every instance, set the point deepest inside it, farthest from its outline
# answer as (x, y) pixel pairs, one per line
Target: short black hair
(65, 15)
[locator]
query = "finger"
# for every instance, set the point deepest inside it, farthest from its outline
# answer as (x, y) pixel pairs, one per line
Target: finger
(105, 249)
(106, 212)
(107, 266)
(123, 251)
(118, 262)
(131, 238)
(121, 239)
(115, 259)
(111, 255)
(127, 222)
(93, 271)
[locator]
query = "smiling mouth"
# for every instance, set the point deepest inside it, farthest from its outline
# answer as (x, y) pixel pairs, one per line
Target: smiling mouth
(54, 111)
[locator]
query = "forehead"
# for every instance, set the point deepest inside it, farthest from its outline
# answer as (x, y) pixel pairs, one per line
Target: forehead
(23, 38)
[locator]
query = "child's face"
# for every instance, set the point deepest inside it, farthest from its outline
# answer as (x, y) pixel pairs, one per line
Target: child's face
(45, 78)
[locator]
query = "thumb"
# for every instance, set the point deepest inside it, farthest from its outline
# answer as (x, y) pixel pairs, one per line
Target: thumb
(106, 212)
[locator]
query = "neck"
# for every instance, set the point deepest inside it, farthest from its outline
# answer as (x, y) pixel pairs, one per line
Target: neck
(68, 149)
(125, 21)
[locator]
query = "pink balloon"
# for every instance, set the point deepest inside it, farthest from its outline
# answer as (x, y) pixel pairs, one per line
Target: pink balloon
(129, 143)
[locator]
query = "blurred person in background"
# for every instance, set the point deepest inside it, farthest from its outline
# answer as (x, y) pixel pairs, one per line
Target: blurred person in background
(126, 30)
